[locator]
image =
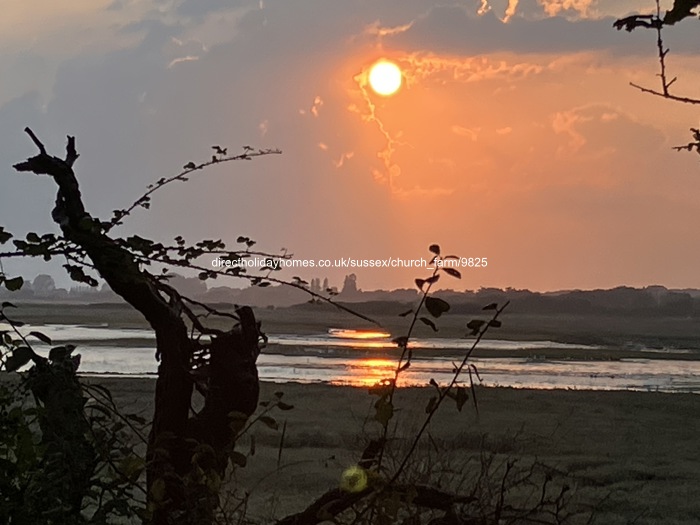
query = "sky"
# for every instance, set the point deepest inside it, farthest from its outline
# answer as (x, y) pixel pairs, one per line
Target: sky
(515, 135)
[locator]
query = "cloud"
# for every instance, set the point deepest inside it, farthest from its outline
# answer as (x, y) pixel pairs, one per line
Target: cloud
(464, 132)
(316, 106)
(453, 30)
(180, 60)
(580, 7)
(341, 161)
(510, 10)
(375, 29)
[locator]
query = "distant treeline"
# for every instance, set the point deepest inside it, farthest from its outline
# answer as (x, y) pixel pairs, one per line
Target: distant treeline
(654, 300)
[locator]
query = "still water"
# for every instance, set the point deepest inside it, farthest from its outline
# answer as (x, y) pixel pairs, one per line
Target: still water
(330, 358)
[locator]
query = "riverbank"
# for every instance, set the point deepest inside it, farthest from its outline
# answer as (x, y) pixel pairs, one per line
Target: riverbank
(627, 455)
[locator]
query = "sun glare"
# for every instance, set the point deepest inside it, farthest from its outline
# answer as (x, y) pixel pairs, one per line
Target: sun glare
(385, 78)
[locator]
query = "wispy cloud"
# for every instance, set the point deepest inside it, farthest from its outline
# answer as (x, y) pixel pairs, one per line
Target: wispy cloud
(180, 60)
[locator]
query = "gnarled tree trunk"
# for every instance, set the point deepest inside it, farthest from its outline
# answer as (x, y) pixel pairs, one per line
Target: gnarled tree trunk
(185, 453)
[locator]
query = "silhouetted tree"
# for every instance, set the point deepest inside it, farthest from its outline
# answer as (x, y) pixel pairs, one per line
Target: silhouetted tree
(187, 452)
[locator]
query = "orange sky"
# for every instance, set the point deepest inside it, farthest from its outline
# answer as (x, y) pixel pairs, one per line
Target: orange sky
(519, 141)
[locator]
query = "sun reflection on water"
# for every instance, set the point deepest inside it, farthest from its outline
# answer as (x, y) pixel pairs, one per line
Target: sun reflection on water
(367, 372)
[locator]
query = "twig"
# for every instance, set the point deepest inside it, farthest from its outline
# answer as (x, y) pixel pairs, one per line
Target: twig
(246, 155)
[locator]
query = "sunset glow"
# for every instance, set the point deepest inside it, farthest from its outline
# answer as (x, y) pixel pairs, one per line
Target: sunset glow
(402, 125)
(385, 78)
(357, 334)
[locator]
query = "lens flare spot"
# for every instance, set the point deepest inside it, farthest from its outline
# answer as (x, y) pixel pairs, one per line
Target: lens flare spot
(353, 479)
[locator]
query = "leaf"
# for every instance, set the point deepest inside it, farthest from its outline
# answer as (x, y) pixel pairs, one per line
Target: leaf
(428, 322)
(492, 306)
(20, 357)
(284, 406)
(59, 352)
(41, 337)
(461, 397)
(431, 405)
(14, 284)
(436, 306)
(385, 411)
(270, 422)
(434, 248)
(420, 283)
(400, 341)
(452, 272)
(132, 466)
(407, 312)
(495, 323)
(136, 418)
(252, 445)
(4, 236)
(158, 490)
(433, 279)
(475, 324)
(681, 9)
(7, 304)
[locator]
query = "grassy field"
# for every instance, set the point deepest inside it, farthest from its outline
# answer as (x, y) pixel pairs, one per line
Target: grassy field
(629, 457)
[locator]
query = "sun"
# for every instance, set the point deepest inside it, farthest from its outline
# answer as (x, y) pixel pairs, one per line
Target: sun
(385, 78)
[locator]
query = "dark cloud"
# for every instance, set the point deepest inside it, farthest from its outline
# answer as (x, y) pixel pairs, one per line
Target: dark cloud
(452, 29)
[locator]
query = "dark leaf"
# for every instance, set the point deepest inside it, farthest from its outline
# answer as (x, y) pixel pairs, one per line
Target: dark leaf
(14, 284)
(41, 337)
(492, 306)
(475, 324)
(681, 9)
(452, 272)
(430, 323)
(436, 306)
(434, 248)
(7, 304)
(385, 411)
(407, 312)
(284, 406)
(58, 353)
(433, 279)
(400, 341)
(420, 283)
(238, 459)
(20, 357)
(461, 397)
(270, 422)
(495, 323)
(431, 405)
(4, 236)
